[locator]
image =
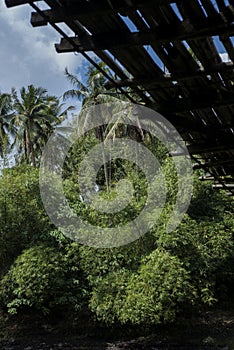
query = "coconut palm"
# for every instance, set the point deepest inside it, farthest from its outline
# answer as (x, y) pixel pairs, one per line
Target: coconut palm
(59, 113)
(35, 116)
(90, 92)
(93, 93)
(5, 115)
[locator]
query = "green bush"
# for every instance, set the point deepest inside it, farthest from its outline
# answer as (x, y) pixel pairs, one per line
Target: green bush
(206, 249)
(158, 291)
(42, 278)
(22, 216)
(108, 296)
(152, 295)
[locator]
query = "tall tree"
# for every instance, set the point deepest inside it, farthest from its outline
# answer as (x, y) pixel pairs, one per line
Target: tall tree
(35, 115)
(5, 114)
(92, 92)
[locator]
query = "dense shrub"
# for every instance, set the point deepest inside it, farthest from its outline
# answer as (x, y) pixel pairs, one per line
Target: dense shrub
(152, 295)
(22, 216)
(42, 278)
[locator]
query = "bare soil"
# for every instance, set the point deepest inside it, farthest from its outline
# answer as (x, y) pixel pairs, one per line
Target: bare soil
(210, 330)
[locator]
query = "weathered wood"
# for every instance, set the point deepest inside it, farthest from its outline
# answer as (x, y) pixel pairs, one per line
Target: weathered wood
(213, 164)
(210, 148)
(201, 102)
(13, 3)
(92, 8)
(227, 43)
(220, 186)
(160, 35)
(37, 20)
(221, 68)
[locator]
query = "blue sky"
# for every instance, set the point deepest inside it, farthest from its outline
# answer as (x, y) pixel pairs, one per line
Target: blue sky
(27, 54)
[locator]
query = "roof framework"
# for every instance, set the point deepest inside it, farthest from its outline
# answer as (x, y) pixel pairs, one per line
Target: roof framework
(167, 52)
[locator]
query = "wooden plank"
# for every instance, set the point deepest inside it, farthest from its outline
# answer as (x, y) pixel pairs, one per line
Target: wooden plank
(13, 3)
(214, 164)
(199, 102)
(211, 10)
(210, 148)
(108, 41)
(38, 20)
(221, 5)
(192, 11)
(170, 78)
(220, 186)
(227, 43)
(91, 8)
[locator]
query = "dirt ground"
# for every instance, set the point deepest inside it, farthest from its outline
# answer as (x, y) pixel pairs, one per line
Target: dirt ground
(210, 330)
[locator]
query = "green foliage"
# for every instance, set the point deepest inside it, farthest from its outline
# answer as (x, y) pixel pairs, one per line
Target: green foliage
(148, 281)
(204, 248)
(22, 216)
(209, 204)
(108, 296)
(156, 293)
(154, 278)
(27, 119)
(151, 295)
(42, 278)
(185, 269)
(5, 115)
(98, 263)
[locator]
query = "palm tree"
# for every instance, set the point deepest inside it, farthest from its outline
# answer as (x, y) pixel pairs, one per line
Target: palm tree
(90, 93)
(94, 93)
(35, 116)
(59, 113)
(5, 115)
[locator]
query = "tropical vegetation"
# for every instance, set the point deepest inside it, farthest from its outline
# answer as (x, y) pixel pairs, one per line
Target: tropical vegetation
(152, 280)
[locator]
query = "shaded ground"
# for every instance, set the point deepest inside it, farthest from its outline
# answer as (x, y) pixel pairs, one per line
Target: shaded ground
(209, 330)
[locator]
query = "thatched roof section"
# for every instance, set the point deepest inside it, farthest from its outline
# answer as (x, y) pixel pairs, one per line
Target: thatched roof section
(167, 51)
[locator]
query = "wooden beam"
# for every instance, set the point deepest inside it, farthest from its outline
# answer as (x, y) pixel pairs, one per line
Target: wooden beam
(167, 78)
(160, 35)
(37, 20)
(195, 103)
(93, 8)
(206, 178)
(220, 186)
(13, 3)
(210, 148)
(213, 164)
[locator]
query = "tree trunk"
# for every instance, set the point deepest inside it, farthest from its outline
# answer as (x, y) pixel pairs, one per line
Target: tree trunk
(29, 149)
(101, 132)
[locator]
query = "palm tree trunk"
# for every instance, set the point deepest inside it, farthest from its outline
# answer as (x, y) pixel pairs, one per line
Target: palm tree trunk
(33, 157)
(28, 145)
(25, 147)
(101, 132)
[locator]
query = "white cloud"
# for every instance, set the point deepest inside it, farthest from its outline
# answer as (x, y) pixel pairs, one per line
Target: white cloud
(27, 54)
(225, 57)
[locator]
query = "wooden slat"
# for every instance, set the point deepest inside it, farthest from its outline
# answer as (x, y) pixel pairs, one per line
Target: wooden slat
(227, 43)
(13, 3)
(214, 164)
(199, 102)
(222, 68)
(210, 148)
(117, 40)
(100, 7)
